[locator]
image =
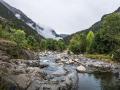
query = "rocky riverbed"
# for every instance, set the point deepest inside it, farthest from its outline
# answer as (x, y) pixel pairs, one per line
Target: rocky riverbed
(52, 71)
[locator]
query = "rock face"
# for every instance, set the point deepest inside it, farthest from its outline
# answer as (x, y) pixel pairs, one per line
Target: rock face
(8, 50)
(27, 54)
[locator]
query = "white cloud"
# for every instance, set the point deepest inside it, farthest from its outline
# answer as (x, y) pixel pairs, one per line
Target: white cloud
(66, 16)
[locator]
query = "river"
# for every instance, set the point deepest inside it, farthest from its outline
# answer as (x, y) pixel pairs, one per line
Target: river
(98, 81)
(93, 81)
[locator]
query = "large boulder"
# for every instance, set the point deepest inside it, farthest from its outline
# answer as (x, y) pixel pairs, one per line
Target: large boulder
(8, 49)
(29, 55)
(4, 56)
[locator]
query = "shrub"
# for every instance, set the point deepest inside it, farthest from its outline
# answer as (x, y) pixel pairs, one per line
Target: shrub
(90, 39)
(20, 38)
(78, 44)
(116, 55)
(60, 45)
(98, 56)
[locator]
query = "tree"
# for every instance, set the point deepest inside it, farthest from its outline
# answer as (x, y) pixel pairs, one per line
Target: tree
(0, 30)
(32, 42)
(51, 44)
(90, 39)
(4, 33)
(43, 44)
(116, 55)
(20, 38)
(60, 45)
(108, 38)
(78, 44)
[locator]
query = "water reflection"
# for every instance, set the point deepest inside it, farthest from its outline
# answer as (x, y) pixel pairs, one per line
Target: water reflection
(98, 81)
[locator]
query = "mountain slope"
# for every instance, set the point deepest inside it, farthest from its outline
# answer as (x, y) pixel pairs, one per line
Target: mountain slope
(95, 27)
(21, 21)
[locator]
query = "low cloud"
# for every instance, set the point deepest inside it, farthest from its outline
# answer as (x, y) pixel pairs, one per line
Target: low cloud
(66, 16)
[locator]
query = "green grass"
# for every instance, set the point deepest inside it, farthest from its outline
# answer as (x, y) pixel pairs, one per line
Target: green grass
(99, 57)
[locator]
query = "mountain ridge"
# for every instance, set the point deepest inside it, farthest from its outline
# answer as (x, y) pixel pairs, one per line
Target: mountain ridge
(95, 27)
(13, 14)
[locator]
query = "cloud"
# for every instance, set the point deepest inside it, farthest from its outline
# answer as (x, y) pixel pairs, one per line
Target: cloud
(66, 16)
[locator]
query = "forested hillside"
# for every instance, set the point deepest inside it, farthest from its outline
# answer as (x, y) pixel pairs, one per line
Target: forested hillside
(27, 41)
(102, 38)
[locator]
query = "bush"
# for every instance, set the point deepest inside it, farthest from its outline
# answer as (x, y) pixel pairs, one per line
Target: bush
(78, 44)
(32, 43)
(43, 45)
(90, 41)
(116, 55)
(4, 34)
(60, 45)
(19, 37)
(99, 56)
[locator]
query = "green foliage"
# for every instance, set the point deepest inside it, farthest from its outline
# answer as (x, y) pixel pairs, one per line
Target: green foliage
(20, 38)
(61, 45)
(104, 40)
(108, 38)
(52, 45)
(4, 33)
(90, 39)
(31, 40)
(116, 55)
(111, 24)
(14, 22)
(43, 45)
(32, 43)
(78, 44)
(99, 56)
(0, 30)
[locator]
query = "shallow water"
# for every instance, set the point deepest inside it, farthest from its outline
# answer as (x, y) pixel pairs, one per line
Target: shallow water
(98, 81)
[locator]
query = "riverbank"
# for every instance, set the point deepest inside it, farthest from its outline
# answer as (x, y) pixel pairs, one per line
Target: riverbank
(21, 74)
(52, 70)
(86, 64)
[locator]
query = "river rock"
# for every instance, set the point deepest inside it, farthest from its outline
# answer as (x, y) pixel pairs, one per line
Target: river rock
(64, 60)
(81, 69)
(33, 63)
(71, 61)
(35, 75)
(29, 55)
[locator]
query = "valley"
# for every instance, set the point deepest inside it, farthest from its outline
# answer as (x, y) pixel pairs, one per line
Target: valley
(34, 57)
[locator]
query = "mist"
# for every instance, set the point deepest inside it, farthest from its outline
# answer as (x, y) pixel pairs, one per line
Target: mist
(65, 16)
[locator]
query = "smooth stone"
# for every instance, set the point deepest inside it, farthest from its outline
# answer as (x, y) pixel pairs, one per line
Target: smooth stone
(71, 61)
(81, 69)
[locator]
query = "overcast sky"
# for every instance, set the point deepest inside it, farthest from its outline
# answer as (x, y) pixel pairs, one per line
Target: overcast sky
(66, 16)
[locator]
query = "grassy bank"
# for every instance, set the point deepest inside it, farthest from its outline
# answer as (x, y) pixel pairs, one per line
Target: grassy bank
(102, 57)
